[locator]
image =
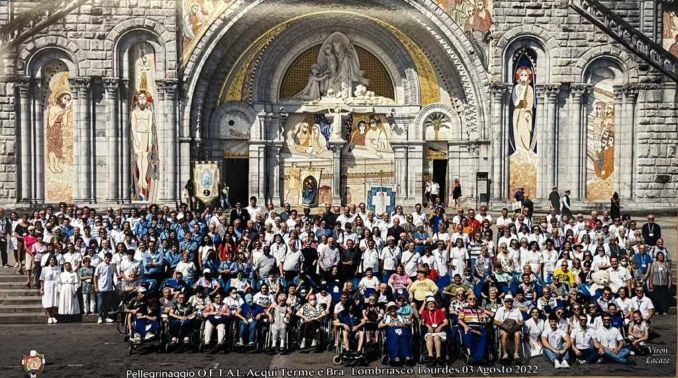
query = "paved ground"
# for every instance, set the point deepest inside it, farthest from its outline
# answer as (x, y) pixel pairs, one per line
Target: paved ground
(99, 351)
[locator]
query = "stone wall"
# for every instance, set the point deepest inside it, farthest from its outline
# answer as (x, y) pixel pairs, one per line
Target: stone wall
(90, 33)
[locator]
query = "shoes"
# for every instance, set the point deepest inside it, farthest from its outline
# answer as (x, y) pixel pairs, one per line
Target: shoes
(54, 320)
(599, 361)
(149, 336)
(564, 364)
(109, 320)
(516, 356)
(6, 266)
(251, 344)
(174, 341)
(136, 338)
(556, 364)
(49, 320)
(313, 343)
(187, 340)
(632, 353)
(504, 356)
(99, 321)
(239, 343)
(581, 362)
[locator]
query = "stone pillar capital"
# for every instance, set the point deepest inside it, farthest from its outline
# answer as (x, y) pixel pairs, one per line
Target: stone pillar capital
(579, 89)
(24, 83)
(111, 84)
(79, 84)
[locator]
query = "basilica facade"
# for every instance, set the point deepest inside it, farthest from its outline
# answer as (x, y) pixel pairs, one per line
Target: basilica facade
(312, 102)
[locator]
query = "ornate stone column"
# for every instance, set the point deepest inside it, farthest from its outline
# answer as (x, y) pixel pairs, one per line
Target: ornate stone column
(273, 174)
(625, 152)
(415, 164)
(112, 139)
(576, 142)
(400, 169)
(336, 148)
(124, 143)
(620, 126)
(541, 130)
(499, 137)
(39, 146)
(170, 87)
(549, 157)
(257, 169)
(25, 168)
(83, 136)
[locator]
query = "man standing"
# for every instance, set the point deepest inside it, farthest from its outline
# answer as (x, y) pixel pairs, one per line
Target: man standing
(5, 233)
(566, 208)
(554, 198)
(651, 231)
(103, 286)
(253, 209)
(435, 191)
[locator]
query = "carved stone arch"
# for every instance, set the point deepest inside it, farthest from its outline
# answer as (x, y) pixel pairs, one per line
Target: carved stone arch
(37, 52)
(129, 39)
(432, 22)
(379, 43)
(217, 118)
(164, 43)
(610, 52)
(425, 112)
(535, 37)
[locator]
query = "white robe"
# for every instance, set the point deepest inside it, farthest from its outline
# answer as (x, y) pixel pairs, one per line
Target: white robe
(68, 297)
(51, 283)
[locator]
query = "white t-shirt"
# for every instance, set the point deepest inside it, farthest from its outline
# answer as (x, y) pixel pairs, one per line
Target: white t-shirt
(643, 305)
(608, 337)
(411, 262)
(390, 257)
(435, 188)
(555, 337)
(503, 313)
(582, 338)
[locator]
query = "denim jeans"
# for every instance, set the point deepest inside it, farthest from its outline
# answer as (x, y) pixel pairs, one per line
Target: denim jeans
(104, 299)
(619, 357)
(553, 356)
(248, 329)
(589, 355)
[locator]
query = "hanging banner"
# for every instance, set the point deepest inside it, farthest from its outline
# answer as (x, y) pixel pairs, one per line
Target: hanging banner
(309, 186)
(206, 181)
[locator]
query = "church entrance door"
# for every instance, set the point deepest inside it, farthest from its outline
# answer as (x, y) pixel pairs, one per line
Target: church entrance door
(236, 174)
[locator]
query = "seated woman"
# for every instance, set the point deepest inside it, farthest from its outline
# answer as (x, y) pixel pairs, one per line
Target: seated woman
(217, 314)
(147, 321)
(435, 322)
(372, 314)
(534, 326)
(398, 334)
(311, 316)
(181, 320)
(347, 317)
(638, 333)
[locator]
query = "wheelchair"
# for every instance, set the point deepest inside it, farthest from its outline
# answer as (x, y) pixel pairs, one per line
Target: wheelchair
(510, 348)
(343, 356)
(192, 335)
(156, 341)
(383, 348)
(321, 340)
(212, 344)
(421, 343)
(491, 352)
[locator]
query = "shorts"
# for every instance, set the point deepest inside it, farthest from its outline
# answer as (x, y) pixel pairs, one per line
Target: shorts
(443, 335)
(29, 263)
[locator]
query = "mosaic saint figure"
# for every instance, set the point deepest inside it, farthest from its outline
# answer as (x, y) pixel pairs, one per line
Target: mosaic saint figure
(141, 120)
(59, 116)
(523, 100)
(308, 139)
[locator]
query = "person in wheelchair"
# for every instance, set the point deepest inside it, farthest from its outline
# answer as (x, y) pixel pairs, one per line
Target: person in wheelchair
(372, 314)
(473, 320)
(398, 329)
(249, 314)
(348, 319)
(311, 316)
(181, 320)
(510, 322)
(134, 306)
(435, 323)
(280, 314)
(217, 314)
(177, 284)
(200, 299)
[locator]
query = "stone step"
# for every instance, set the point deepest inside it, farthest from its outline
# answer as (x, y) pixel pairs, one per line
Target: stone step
(20, 301)
(30, 308)
(12, 278)
(41, 318)
(25, 292)
(13, 285)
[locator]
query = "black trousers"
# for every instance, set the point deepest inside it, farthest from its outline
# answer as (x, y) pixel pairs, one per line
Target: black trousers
(661, 299)
(3, 251)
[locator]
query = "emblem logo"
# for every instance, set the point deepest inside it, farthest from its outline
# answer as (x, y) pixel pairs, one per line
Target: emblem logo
(33, 363)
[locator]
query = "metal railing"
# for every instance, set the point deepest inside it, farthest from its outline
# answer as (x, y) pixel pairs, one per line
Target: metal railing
(32, 21)
(627, 35)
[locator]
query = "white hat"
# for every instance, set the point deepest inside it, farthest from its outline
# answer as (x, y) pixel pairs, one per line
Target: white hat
(391, 304)
(206, 270)
(430, 299)
(508, 297)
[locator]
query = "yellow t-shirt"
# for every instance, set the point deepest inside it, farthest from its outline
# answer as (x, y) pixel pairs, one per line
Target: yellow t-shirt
(422, 289)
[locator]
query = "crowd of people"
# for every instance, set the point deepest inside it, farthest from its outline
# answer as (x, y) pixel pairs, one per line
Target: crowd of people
(573, 288)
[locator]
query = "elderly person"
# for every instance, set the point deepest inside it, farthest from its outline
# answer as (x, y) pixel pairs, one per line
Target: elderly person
(435, 322)
(473, 319)
(510, 323)
(398, 334)
(217, 314)
(311, 315)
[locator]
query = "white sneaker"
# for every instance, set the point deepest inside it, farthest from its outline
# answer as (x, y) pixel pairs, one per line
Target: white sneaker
(136, 338)
(632, 353)
(149, 336)
(54, 320)
(556, 364)
(109, 320)
(187, 340)
(99, 321)
(564, 364)
(49, 320)
(303, 344)
(313, 343)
